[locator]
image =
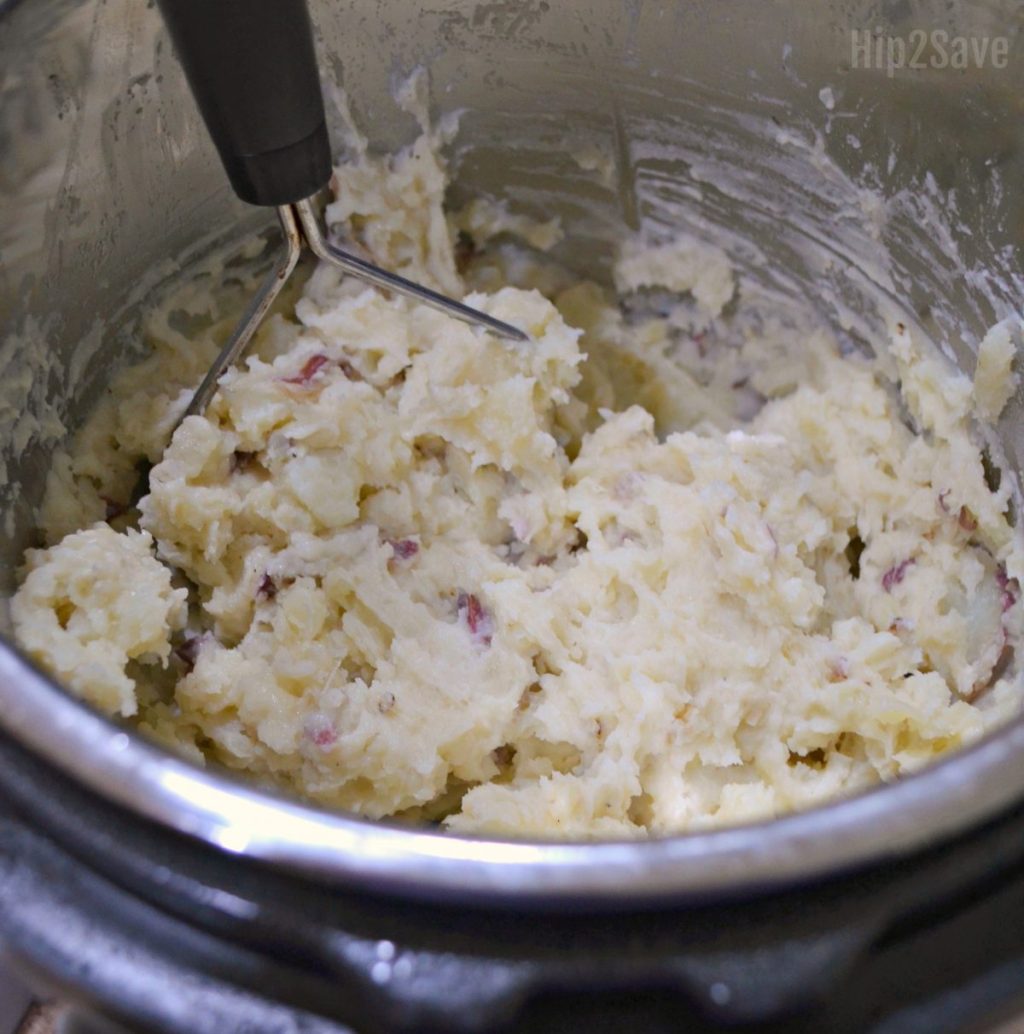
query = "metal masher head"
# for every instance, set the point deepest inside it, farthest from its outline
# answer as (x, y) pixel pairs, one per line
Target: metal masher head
(252, 68)
(301, 227)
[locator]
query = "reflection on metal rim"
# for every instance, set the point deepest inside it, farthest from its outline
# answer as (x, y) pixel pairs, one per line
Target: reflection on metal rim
(880, 824)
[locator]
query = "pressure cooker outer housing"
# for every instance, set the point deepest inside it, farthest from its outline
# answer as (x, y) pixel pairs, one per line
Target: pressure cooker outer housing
(109, 187)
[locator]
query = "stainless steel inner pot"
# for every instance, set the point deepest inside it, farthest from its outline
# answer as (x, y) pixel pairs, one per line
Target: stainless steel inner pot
(788, 132)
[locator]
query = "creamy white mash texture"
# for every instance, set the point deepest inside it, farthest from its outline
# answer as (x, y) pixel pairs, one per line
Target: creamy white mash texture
(656, 570)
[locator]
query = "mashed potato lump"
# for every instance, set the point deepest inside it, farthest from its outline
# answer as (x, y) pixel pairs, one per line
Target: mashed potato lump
(669, 565)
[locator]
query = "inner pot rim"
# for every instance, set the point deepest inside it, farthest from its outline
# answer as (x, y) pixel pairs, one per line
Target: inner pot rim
(881, 824)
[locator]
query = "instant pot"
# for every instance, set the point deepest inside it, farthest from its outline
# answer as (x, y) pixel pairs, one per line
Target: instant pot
(853, 154)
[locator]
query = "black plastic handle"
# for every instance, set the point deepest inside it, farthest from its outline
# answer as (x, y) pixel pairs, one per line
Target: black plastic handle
(252, 68)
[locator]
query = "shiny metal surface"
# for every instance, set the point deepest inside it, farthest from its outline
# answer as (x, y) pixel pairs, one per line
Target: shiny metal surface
(257, 308)
(371, 274)
(710, 117)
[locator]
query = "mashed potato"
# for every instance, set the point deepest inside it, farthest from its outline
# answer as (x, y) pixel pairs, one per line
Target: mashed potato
(661, 568)
(92, 604)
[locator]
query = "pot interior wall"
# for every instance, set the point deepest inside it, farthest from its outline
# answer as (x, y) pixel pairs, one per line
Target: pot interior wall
(742, 121)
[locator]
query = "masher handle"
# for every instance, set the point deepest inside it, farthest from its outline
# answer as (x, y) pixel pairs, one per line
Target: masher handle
(252, 69)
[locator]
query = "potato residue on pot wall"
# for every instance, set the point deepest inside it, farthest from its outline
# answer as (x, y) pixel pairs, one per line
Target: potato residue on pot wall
(678, 562)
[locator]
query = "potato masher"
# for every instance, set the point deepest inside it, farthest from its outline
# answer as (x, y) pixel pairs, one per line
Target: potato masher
(252, 69)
